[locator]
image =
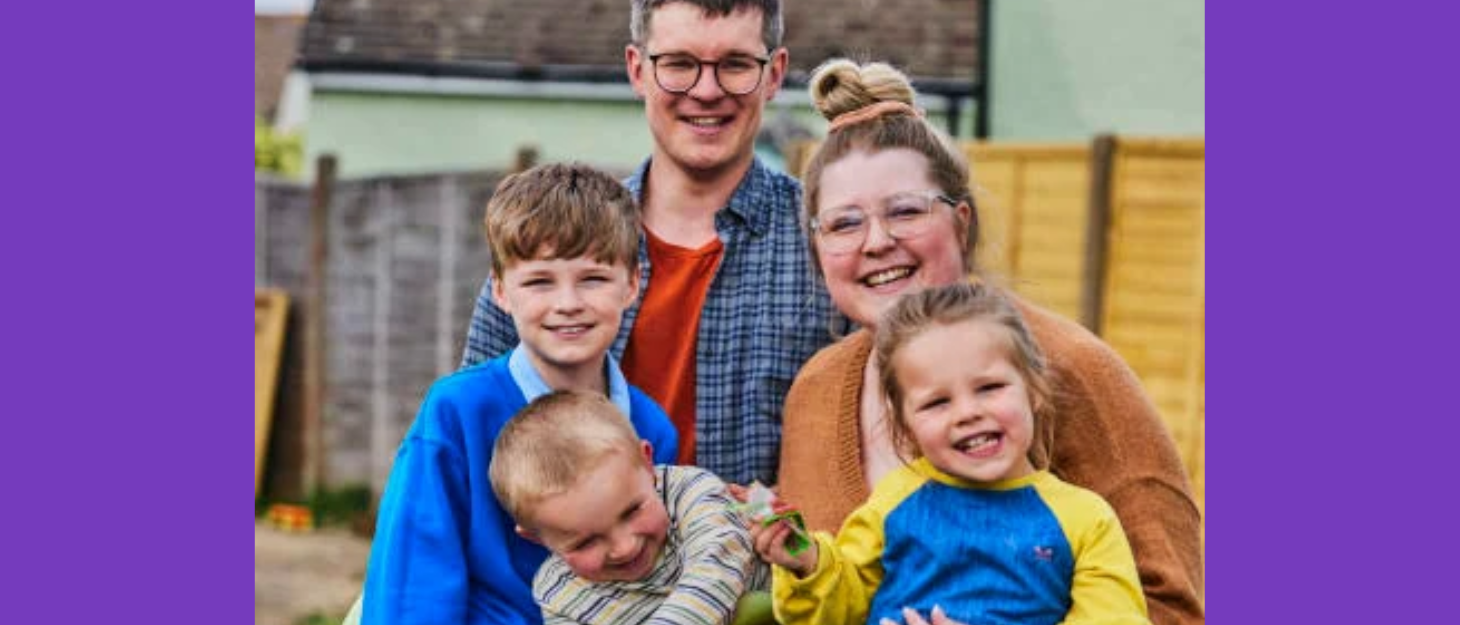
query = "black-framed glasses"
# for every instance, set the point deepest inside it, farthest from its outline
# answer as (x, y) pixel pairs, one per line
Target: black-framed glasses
(737, 74)
(844, 229)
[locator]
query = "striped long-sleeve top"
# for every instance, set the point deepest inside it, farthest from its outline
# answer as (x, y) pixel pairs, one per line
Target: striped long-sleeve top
(706, 565)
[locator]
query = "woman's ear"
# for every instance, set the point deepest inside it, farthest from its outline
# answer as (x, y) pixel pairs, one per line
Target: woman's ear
(964, 215)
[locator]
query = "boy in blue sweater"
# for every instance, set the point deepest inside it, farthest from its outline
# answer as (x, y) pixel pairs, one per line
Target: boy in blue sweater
(564, 243)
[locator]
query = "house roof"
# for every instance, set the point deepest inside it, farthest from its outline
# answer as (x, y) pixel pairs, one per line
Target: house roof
(275, 48)
(932, 40)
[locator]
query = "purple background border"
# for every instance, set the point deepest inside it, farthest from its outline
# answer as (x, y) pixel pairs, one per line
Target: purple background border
(127, 247)
(1331, 326)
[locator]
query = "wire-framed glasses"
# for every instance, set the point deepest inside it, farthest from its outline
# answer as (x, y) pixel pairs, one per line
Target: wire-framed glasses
(843, 229)
(737, 74)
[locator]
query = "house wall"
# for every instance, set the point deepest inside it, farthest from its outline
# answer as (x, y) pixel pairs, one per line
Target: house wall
(1068, 69)
(411, 132)
(376, 133)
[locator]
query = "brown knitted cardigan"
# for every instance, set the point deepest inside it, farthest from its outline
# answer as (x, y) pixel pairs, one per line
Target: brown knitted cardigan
(1106, 437)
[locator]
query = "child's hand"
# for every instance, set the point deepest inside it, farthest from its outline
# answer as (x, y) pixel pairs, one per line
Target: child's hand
(738, 492)
(913, 618)
(770, 543)
(776, 540)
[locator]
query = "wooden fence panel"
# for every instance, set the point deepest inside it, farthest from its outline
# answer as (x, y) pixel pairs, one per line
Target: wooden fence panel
(270, 310)
(1154, 310)
(1033, 210)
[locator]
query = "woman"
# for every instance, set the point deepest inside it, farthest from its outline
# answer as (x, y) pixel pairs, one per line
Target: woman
(889, 212)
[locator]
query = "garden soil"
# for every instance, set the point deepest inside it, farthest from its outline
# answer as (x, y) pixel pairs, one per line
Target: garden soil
(296, 575)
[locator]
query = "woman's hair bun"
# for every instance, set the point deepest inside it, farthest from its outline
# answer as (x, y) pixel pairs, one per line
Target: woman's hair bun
(841, 86)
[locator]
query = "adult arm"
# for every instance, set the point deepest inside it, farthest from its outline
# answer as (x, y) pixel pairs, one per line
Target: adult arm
(490, 332)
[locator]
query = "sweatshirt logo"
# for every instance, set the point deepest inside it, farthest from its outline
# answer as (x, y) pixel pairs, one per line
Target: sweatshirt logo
(1043, 553)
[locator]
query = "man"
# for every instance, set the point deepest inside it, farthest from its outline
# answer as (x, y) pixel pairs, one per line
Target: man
(731, 308)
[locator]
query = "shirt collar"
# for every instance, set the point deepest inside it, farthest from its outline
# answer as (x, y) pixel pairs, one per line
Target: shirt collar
(533, 386)
(748, 202)
(923, 466)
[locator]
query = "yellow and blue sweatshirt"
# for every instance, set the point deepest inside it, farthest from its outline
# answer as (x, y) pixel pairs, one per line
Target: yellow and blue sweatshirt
(1028, 550)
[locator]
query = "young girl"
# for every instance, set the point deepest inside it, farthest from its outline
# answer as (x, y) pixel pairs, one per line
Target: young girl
(970, 530)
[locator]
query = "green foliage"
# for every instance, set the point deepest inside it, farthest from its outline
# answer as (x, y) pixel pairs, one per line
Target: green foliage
(281, 153)
(316, 618)
(340, 507)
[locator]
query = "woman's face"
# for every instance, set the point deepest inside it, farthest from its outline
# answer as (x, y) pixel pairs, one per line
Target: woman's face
(864, 281)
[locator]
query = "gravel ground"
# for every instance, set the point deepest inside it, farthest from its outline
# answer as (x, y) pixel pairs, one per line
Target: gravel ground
(299, 574)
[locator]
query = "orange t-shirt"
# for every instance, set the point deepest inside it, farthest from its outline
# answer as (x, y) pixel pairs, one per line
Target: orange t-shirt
(660, 357)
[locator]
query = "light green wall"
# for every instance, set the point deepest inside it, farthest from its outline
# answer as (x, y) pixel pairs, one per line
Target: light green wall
(383, 133)
(1068, 69)
(388, 133)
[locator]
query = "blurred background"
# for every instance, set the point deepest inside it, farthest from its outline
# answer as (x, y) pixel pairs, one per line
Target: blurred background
(381, 127)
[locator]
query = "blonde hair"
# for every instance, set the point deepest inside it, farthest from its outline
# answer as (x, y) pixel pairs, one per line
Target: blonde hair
(547, 446)
(562, 211)
(915, 313)
(843, 89)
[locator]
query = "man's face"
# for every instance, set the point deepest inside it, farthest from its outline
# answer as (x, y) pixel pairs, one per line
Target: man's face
(704, 131)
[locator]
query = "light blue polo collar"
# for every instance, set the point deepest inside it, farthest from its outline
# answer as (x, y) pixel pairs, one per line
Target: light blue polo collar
(533, 386)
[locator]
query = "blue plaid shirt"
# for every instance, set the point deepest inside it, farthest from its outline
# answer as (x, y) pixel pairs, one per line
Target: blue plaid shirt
(765, 314)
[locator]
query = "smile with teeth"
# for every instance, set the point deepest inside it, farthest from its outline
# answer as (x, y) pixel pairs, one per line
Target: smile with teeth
(887, 275)
(978, 442)
(572, 330)
(707, 121)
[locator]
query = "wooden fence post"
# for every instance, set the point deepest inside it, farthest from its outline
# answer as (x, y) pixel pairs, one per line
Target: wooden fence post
(1097, 232)
(315, 326)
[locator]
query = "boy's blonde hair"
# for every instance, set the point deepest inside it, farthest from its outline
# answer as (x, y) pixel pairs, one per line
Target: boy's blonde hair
(547, 446)
(562, 210)
(915, 313)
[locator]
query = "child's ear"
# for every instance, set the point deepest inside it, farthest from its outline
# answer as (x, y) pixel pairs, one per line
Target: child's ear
(635, 281)
(499, 294)
(647, 450)
(528, 534)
